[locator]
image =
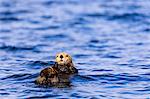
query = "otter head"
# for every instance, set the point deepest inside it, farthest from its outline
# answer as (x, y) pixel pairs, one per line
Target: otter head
(64, 59)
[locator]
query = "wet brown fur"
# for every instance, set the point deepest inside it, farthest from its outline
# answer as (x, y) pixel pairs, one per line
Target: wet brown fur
(59, 73)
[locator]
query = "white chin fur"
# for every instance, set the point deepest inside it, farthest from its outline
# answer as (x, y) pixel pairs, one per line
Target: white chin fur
(61, 63)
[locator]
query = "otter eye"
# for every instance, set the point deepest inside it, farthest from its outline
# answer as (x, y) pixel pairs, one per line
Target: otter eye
(66, 55)
(56, 56)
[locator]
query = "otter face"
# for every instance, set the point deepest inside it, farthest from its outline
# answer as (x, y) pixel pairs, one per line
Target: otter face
(63, 58)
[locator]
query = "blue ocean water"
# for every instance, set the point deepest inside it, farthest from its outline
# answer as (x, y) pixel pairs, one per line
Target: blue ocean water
(109, 41)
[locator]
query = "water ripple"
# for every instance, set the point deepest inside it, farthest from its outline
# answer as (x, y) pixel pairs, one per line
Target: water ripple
(15, 48)
(108, 40)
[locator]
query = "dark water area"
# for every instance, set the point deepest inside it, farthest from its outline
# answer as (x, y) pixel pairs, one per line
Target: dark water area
(109, 41)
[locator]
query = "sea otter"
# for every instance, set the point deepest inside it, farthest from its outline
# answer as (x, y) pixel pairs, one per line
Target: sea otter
(59, 73)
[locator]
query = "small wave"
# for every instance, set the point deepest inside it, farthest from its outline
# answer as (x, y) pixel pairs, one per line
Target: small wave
(146, 74)
(16, 76)
(15, 48)
(5, 30)
(81, 56)
(127, 16)
(119, 77)
(57, 37)
(9, 19)
(49, 3)
(45, 27)
(46, 17)
(103, 70)
(78, 21)
(20, 78)
(146, 30)
(39, 63)
(84, 77)
(95, 15)
(95, 41)
(13, 13)
(3, 93)
(111, 56)
(44, 96)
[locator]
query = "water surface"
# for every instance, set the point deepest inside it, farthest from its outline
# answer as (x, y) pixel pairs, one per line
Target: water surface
(109, 41)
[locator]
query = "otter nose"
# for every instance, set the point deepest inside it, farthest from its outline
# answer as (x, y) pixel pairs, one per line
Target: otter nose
(61, 56)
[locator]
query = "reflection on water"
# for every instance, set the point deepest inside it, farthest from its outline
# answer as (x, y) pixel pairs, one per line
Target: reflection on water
(108, 39)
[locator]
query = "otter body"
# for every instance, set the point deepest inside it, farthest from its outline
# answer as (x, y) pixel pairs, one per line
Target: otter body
(59, 73)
